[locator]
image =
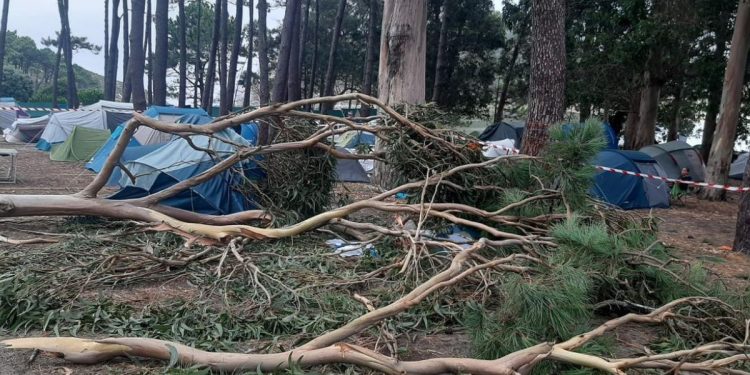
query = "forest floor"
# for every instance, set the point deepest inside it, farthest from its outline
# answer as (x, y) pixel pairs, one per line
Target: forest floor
(697, 231)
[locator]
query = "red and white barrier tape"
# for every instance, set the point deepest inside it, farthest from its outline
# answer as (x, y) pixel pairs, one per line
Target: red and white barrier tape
(50, 109)
(638, 174)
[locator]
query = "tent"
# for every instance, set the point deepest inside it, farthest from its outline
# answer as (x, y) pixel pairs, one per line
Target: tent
(80, 145)
(675, 155)
(149, 136)
(507, 129)
(352, 139)
(630, 192)
(609, 134)
(737, 169)
(9, 115)
(102, 115)
(26, 130)
(350, 170)
(136, 149)
(177, 161)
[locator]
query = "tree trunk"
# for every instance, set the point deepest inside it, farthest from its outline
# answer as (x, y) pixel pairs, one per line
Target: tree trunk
(440, 63)
(198, 67)
(314, 67)
(3, 31)
(330, 79)
(403, 42)
(742, 231)
(127, 88)
(137, 61)
(674, 125)
(403, 63)
(303, 42)
(110, 75)
(106, 44)
(56, 74)
(182, 91)
(294, 74)
(249, 72)
(713, 102)
(162, 52)
(72, 92)
(236, 44)
(148, 49)
(500, 109)
(649, 108)
(717, 168)
(208, 94)
(224, 39)
(264, 92)
(371, 54)
(547, 82)
(286, 60)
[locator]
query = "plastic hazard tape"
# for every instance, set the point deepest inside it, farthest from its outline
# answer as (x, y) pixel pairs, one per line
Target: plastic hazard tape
(50, 109)
(638, 174)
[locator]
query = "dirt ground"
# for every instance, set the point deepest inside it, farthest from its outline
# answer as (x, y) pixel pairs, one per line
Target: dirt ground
(699, 231)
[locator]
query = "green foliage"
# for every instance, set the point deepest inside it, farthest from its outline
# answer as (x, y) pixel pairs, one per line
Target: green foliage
(17, 85)
(90, 96)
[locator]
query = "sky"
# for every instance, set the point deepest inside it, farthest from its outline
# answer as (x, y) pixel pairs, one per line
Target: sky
(40, 19)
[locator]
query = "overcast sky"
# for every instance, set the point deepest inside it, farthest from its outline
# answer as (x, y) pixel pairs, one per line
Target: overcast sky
(39, 19)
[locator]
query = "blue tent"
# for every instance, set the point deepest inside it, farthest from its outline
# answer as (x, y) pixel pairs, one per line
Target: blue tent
(362, 137)
(630, 192)
(609, 134)
(177, 161)
(135, 149)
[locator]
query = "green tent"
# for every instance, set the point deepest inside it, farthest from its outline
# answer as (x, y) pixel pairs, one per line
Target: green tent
(80, 145)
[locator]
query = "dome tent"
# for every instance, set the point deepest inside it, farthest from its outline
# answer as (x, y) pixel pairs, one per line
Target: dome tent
(80, 145)
(26, 130)
(675, 155)
(102, 115)
(625, 191)
(507, 129)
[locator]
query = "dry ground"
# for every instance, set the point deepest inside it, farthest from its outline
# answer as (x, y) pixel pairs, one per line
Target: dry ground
(699, 231)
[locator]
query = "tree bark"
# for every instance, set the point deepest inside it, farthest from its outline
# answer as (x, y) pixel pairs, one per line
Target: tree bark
(547, 82)
(403, 42)
(674, 125)
(162, 52)
(198, 67)
(648, 112)
(371, 54)
(742, 231)
(224, 39)
(106, 44)
(208, 87)
(403, 64)
(330, 79)
(56, 74)
(127, 88)
(148, 50)
(264, 92)
(110, 75)
(717, 168)
(286, 59)
(303, 43)
(249, 72)
(3, 31)
(713, 102)
(72, 92)
(294, 74)
(236, 44)
(314, 67)
(440, 61)
(632, 120)
(137, 61)
(182, 91)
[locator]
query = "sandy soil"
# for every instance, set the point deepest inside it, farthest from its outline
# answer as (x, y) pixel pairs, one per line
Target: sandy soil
(699, 231)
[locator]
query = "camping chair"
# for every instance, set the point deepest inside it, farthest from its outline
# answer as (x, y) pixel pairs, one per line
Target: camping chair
(678, 195)
(10, 177)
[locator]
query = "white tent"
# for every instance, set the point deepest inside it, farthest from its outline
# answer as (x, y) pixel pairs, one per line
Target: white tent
(26, 130)
(101, 115)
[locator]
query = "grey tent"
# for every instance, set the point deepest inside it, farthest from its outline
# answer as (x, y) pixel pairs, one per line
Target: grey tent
(737, 169)
(349, 170)
(507, 129)
(675, 155)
